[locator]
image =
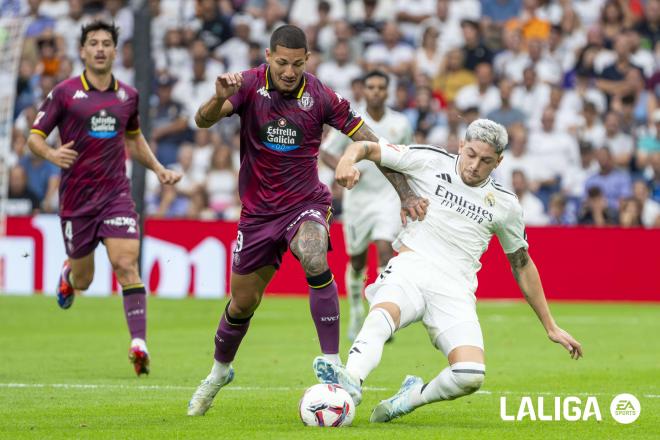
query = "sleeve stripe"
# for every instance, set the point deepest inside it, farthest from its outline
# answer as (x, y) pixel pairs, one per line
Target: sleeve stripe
(39, 132)
(434, 149)
(132, 132)
(356, 128)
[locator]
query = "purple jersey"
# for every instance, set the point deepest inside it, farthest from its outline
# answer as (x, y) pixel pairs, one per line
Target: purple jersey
(280, 139)
(97, 122)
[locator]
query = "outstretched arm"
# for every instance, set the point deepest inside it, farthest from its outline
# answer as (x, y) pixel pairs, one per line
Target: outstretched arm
(219, 106)
(529, 281)
(140, 151)
(411, 205)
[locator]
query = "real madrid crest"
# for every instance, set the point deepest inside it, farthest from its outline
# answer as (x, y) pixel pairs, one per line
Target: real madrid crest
(490, 199)
(306, 101)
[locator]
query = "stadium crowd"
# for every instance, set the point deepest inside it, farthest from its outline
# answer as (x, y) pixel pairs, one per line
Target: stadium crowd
(576, 83)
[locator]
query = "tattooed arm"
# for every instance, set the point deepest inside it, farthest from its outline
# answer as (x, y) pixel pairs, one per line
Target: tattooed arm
(411, 205)
(529, 281)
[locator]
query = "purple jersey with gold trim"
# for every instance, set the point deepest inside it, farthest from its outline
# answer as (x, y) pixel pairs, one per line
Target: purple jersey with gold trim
(97, 122)
(280, 139)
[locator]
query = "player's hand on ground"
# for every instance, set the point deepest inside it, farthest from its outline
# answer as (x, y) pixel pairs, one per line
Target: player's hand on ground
(414, 207)
(168, 177)
(228, 84)
(563, 338)
(64, 156)
(346, 174)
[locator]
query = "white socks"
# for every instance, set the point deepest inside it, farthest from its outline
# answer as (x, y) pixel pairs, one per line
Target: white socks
(334, 358)
(460, 379)
(367, 349)
(354, 287)
(219, 371)
(139, 343)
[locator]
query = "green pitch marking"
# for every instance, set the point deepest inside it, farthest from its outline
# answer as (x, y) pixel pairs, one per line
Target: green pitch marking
(65, 374)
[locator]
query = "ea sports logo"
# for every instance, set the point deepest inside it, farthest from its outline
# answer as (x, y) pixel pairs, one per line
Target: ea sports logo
(625, 408)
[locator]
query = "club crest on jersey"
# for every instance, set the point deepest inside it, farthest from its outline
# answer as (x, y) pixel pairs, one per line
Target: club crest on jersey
(490, 199)
(281, 135)
(122, 95)
(103, 125)
(306, 101)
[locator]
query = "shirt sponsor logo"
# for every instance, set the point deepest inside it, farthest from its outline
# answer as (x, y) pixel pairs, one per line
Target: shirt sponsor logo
(462, 206)
(306, 101)
(281, 135)
(79, 95)
(123, 221)
(103, 125)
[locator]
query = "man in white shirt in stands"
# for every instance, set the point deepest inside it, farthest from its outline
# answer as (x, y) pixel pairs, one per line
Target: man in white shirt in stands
(434, 277)
(370, 211)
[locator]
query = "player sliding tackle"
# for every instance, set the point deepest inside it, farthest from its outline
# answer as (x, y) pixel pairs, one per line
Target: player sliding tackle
(434, 277)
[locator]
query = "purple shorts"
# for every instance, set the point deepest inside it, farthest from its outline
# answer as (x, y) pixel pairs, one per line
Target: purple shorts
(118, 219)
(261, 244)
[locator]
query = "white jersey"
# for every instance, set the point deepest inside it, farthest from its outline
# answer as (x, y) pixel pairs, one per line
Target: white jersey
(460, 220)
(373, 190)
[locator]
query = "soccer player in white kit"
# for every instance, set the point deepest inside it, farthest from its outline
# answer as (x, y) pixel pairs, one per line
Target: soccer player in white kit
(433, 279)
(370, 210)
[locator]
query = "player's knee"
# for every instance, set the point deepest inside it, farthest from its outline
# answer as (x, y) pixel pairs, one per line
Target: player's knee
(470, 380)
(125, 268)
(243, 304)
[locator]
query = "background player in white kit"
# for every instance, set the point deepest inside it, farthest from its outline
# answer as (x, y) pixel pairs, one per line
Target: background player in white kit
(370, 210)
(433, 279)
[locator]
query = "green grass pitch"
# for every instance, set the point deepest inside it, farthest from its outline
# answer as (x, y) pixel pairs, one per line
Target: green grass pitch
(64, 374)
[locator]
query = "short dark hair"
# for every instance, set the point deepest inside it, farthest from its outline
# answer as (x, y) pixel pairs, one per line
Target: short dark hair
(379, 74)
(288, 36)
(99, 25)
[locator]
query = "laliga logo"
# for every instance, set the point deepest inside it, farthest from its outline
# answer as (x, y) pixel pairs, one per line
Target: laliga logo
(625, 408)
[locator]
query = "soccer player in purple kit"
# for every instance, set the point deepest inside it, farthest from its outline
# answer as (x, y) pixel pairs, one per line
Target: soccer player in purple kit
(282, 111)
(97, 117)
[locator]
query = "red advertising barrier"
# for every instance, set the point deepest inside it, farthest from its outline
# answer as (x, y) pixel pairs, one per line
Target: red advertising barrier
(193, 258)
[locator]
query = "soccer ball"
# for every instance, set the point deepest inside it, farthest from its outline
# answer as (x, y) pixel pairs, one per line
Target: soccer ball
(326, 405)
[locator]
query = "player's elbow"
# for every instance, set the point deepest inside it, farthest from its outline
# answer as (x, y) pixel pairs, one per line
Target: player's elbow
(202, 122)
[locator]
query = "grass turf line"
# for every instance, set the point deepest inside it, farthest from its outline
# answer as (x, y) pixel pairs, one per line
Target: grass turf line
(88, 344)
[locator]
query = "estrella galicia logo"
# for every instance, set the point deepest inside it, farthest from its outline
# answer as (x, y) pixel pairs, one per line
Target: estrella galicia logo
(281, 135)
(103, 125)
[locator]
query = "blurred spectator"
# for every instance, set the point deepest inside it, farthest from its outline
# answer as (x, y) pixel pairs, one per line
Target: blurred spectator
(622, 77)
(452, 76)
(547, 69)
(48, 56)
(212, 25)
(590, 128)
(620, 144)
(169, 121)
(612, 22)
(410, 13)
(38, 23)
(124, 70)
(423, 116)
(533, 213)
(121, 15)
(553, 154)
(506, 114)
(573, 183)
(306, 13)
(64, 27)
(450, 133)
(484, 94)
(649, 27)
(43, 179)
(558, 212)
(368, 18)
(532, 96)
(614, 183)
(596, 211)
(339, 71)
(630, 213)
(530, 22)
(265, 23)
(500, 11)
(649, 143)
(22, 201)
(235, 51)
(653, 171)
(515, 157)
(448, 27)
(221, 185)
(511, 61)
(650, 208)
(474, 50)
(203, 148)
(391, 54)
(427, 57)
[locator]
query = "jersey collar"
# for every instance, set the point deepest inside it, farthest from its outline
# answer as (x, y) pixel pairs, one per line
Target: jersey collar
(88, 85)
(298, 92)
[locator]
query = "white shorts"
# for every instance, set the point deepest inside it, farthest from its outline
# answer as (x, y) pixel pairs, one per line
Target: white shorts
(361, 230)
(419, 289)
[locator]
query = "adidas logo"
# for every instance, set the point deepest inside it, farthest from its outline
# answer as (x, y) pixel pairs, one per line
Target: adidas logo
(79, 94)
(444, 176)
